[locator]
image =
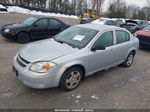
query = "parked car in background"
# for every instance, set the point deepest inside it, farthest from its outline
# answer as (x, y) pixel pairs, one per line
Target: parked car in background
(74, 54)
(142, 23)
(33, 28)
(2, 8)
(131, 26)
(135, 25)
(144, 36)
(120, 20)
(107, 21)
(86, 20)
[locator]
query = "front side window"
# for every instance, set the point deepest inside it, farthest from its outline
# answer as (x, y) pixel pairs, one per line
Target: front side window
(106, 39)
(42, 23)
(30, 21)
(122, 36)
(76, 36)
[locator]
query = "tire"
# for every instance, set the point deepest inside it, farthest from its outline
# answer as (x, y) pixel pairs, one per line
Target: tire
(23, 37)
(71, 79)
(130, 58)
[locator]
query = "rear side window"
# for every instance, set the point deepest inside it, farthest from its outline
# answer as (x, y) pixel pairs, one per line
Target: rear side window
(55, 24)
(122, 36)
(106, 39)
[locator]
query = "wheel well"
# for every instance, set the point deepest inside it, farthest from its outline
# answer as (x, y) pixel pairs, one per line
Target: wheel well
(24, 32)
(81, 67)
(134, 52)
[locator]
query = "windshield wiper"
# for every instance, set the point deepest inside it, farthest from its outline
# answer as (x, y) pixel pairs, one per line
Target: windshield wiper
(62, 42)
(58, 41)
(71, 45)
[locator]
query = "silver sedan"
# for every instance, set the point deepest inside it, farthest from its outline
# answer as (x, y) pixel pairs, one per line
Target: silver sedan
(74, 54)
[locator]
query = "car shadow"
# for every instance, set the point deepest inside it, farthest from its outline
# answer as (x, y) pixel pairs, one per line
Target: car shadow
(10, 41)
(144, 48)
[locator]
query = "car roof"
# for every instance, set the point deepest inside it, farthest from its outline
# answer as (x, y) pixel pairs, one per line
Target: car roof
(99, 27)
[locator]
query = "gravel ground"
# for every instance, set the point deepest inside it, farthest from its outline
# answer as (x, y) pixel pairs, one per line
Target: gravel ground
(117, 88)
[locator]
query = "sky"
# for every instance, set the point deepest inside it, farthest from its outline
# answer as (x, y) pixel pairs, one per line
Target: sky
(140, 3)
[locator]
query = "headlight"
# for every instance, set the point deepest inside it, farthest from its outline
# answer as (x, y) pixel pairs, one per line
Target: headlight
(7, 30)
(42, 67)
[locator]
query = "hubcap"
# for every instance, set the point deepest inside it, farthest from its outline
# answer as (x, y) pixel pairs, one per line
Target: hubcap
(130, 60)
(73, 79)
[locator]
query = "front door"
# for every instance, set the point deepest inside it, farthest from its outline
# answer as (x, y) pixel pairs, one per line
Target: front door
(103, 58)
(39, 29)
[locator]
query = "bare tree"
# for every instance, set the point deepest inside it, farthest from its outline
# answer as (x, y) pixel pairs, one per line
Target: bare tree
(148, 3)
(117, 8)
(132, 10)
(97, 4)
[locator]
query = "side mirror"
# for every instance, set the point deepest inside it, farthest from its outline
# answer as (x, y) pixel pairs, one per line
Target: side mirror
(97, 47)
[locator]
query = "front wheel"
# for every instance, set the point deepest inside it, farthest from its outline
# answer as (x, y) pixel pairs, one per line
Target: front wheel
(71, 79)
(23, 37)
(128, 62)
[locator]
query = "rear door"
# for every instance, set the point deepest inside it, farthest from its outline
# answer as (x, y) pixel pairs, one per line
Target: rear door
(39, 29)
(55, 27)
(122, 45)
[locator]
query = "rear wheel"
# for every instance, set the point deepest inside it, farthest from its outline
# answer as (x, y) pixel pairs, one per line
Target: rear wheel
(23, 37)
(128, 62)
(71, 79)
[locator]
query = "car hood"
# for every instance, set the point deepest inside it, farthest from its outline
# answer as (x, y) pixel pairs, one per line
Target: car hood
(45, 50)
(10, 26)
(143, 33)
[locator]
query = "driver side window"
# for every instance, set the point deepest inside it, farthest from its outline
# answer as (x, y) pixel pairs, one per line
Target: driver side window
(105, 40)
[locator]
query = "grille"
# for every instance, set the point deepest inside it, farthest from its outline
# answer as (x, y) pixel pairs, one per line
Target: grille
(143, 38)
(22, 62)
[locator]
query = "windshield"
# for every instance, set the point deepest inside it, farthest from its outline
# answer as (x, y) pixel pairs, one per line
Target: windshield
(76, 36)
(29, 21)
(147, 28)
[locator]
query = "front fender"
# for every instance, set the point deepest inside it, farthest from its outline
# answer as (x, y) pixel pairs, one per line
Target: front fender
(67, 66)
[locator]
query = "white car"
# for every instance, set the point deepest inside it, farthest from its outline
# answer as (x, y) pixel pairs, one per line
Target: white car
(74, 54)
(107, 21)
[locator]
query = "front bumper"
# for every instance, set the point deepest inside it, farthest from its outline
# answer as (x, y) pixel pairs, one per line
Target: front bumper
(9, 35)
(34, 80)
